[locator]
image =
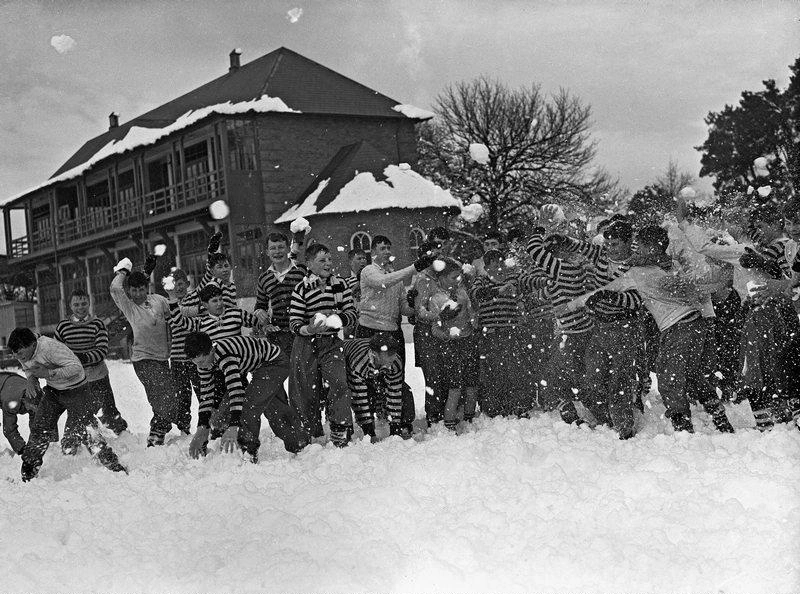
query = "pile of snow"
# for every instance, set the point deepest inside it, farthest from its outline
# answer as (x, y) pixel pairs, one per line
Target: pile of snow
(415, 113)
(138, 136)
(529, 505)
(403, 188)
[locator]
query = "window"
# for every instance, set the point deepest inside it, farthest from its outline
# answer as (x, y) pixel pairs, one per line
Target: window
(102, 271)
(97, 195)
(360, 241)
(242, 145)
(415, 239)
(196, 158)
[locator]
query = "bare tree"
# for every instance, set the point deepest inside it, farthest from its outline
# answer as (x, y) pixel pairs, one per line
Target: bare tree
(540, 151)
(673, 180)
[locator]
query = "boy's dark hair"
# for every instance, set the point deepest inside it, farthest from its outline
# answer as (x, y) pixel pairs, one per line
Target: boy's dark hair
(138, 279)
(384, 342)
(379, 239)
(770, 214)
(355, 252)
(619, 230)
(20, 338)
(314, 249)
(196, 344)
(603, 224)
(277, 237)
(515, 234)
(439, 233)
(450, 265)
(208, 292)
(492, 256)
(654, 236)
(494, 235)
(218, 258)
(78, 293)
(179, 273)
(425, 247)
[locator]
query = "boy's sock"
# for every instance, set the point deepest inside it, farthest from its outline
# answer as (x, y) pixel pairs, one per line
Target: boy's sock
(451, 425)
(341, 434)
(764, 420)
(718, 416)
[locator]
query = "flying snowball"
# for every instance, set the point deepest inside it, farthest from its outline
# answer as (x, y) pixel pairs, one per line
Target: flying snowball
(294, 14)
(438, 265)
(471, 212)
(168, 282)
(13, 405)
(334, 321)
(299, 225)
(468, 269)
(160, 249)
(62, 43)
(479, 153)
(510, 262)
(750, 190)
(688, 193)
(339, 248)
(219, 210)
(764, 191)
(455, 332)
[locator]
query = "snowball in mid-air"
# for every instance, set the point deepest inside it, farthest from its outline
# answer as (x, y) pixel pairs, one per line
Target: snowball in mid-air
(299, 224)
(688, 193)
(479, 153)
(334, 321)
(13, 405)
(168, 282)
(750, 190)
(62, 43)
(455, 332)
(471, 212)
(510, 262)
(468, 269)
(294, 14)
(760, 163)
(219, 210)
(438, 265)
(764, 191)
(160, 249)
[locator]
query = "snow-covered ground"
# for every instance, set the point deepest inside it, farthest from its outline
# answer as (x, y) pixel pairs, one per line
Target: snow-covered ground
(509, 506)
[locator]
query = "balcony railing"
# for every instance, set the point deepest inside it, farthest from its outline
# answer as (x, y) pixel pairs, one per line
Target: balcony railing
(200, 189)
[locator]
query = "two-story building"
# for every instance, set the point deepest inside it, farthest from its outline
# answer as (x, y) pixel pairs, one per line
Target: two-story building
(263, 137)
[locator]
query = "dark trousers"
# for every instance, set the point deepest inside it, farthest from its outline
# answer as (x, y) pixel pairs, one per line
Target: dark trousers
(366, 332)
(80, 428)
(185, 378)
(318, 361)
(680, 367)
(265, 395)
(610, 372)
(564, 372)
(535, 337)
(156, 378)
(109, 414)
(503, 389)
(425, 349)
(728, 336)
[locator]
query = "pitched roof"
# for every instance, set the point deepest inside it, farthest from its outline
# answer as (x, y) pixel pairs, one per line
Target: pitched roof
(302, 84)
(359, 178)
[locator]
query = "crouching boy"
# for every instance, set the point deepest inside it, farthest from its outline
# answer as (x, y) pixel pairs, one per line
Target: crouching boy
(67, 389)
(234, 357)
(15, 402)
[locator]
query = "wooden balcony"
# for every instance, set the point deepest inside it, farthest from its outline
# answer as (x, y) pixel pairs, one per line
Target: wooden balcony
(148, 210)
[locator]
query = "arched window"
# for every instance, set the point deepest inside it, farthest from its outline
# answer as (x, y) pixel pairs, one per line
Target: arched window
(415, 239)
(360, 241)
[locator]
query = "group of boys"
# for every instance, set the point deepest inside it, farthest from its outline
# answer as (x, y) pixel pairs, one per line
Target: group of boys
(560, 321)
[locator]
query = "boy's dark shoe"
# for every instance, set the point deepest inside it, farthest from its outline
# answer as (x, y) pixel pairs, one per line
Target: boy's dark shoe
(682, 422)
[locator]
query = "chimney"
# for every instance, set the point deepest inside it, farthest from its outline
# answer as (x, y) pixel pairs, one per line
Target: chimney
(234, 55)
(113, 120)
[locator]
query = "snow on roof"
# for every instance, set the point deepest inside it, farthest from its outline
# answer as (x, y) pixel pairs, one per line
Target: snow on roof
(415, 113)
(138, 136)
(403, 188)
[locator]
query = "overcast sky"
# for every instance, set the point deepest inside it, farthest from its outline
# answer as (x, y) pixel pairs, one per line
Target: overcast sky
(650, 70)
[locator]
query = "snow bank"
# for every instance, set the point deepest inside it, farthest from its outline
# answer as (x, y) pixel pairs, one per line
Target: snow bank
(415, 113)
(138, 136)
(513, 506)
(403, 188)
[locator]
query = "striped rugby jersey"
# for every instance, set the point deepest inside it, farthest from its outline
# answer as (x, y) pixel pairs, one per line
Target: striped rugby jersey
(604, 271)
(178, 333)
(494, 310)
(776, 250)
(230, 323)
(361, 371)
(314, 295)
(568, 281)
(86, 338)
(274, 293)
(233, 356)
